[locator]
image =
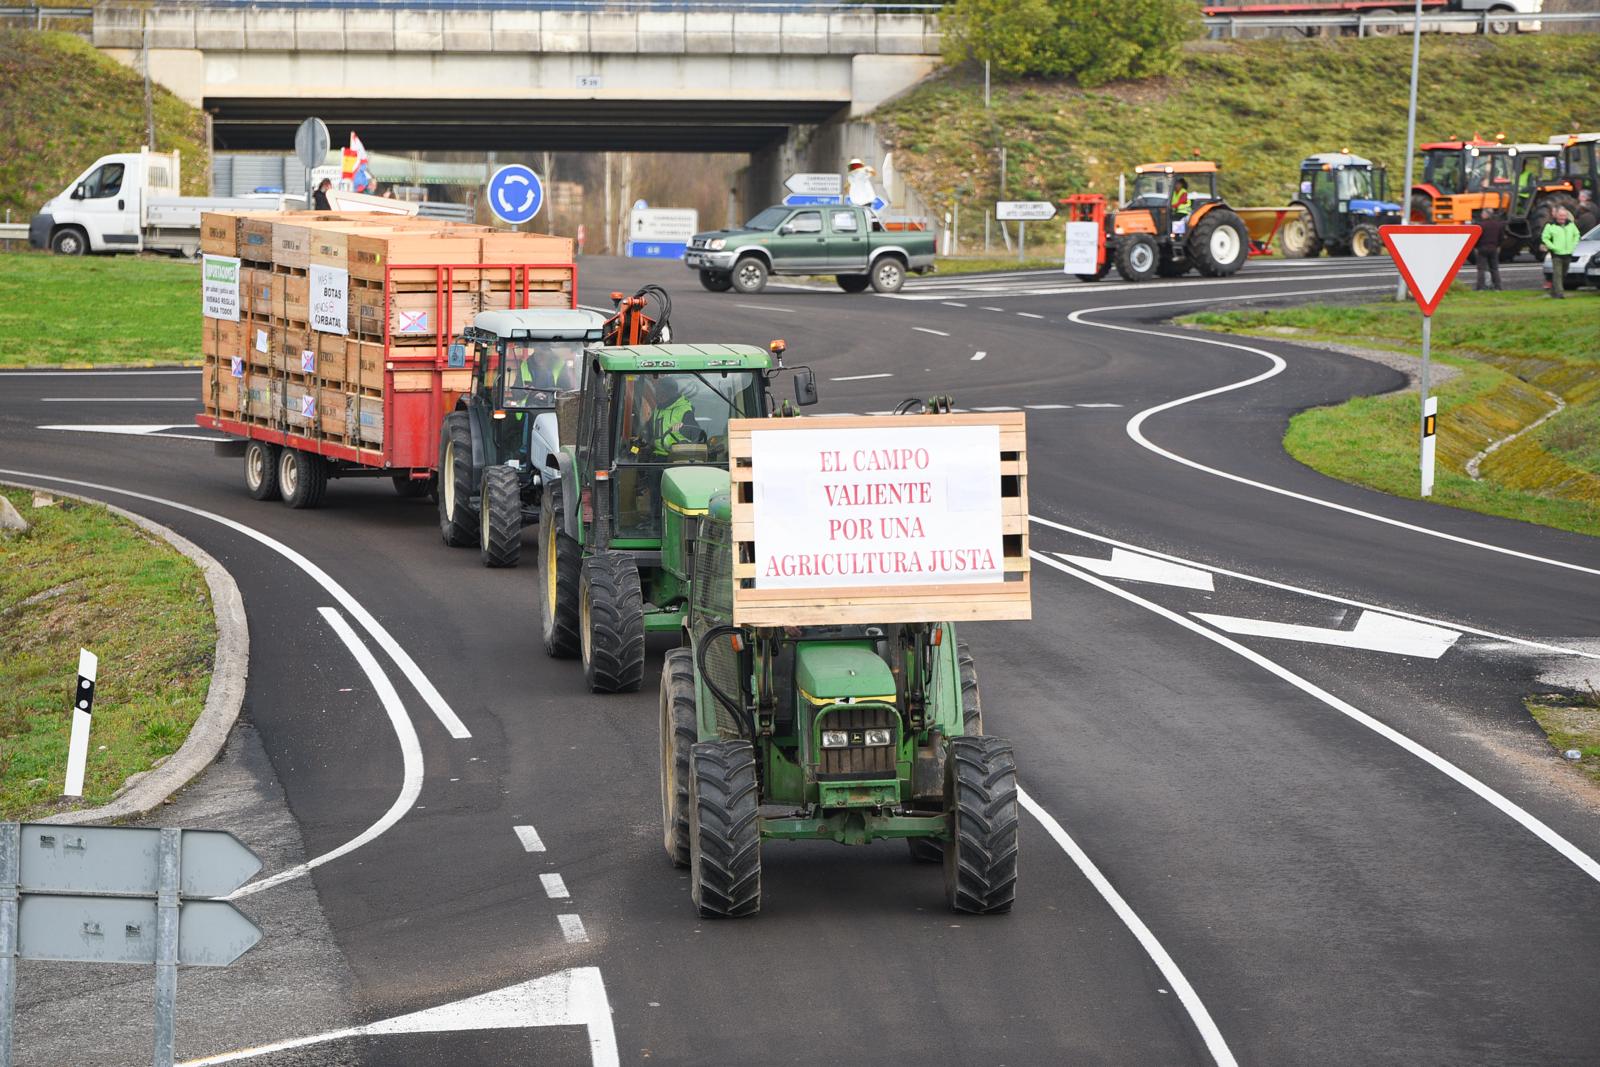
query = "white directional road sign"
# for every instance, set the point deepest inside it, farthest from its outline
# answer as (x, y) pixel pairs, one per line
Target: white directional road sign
(82, 929)
(1428, 258)
(1024, 210)
(815, 184)
(123, 859)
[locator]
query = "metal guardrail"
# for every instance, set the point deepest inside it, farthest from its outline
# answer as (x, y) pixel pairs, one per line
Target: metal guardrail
(13, 231)
(1376, 25)
(38, 16)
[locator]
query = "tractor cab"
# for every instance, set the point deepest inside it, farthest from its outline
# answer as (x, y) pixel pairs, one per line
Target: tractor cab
(1343, 199)
(1580, 162)
(1157, 185)
(1174, 222)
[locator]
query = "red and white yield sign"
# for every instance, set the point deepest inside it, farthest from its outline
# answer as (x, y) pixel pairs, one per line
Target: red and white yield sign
(1428, 258)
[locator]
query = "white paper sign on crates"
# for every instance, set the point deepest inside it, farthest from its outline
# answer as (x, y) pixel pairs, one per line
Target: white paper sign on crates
(219, 287)
(330, 299)
(849, 519)
(1082, 254)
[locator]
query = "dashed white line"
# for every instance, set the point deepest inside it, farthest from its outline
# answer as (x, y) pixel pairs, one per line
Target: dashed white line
(554, 887)
(1099, 405)
(1046, 407)
(529, 838)
(860, 377)
(1002, 407)
(1029, 315)
(765, 307)
(952, 304)
(572, 929)
(978, 355)
(924, 329)
(986, 307)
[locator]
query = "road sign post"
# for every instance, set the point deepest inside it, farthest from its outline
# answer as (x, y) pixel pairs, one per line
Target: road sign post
(1428, 258)
(120, 894)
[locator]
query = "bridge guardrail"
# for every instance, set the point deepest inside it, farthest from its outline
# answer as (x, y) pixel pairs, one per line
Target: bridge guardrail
(1375, 25)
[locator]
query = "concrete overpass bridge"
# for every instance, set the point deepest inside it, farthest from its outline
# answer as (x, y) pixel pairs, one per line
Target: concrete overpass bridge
(690, 77)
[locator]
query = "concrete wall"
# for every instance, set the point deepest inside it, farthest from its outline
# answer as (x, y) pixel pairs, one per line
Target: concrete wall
(824, 149)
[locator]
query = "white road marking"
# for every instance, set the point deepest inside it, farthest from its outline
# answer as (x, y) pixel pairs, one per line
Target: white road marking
(139, 428)
(953, 304)
(1000, 408)
(410, 755)
(159, 432)
(1215, 1044)
(80, 373)
(1029, 315)
(120, 400)
(529, 838)
(1374, 632)
(572, 929)
(1100, 287)
(1561, 845)
(1138, 567)
(861, 377)
(554, 887)
(1046, 407)
(979, 355)
(1135, 425)
(988, 308)
(766, 307)
(1303, 591)
(924, 329)
(575, 997)
(408, 666)
(1099, 405)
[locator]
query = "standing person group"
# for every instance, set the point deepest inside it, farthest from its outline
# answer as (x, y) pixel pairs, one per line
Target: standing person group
(1560, 236)
(1486, 253)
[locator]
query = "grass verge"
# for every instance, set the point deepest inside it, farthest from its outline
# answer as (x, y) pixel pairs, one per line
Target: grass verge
(1514, 350)
(84, 577)
(1572, 724)
(64, 310)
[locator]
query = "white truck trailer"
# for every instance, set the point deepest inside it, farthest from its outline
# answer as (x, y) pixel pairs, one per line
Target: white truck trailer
(129, 202)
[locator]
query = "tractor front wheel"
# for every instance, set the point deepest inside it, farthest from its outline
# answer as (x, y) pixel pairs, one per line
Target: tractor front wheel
(1365, 241)
(680, 731)
(1299, 238)
(980, 862)
(458, 524)
(611, 623)
(1421, 210)
(1220, 243)
(1137, 257)
(500, 518)
(560, 560)
(724, 831)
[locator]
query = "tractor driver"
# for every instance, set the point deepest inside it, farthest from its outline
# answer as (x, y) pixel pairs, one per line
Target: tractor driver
(1180, 206)
(672, 421)
(545, 365)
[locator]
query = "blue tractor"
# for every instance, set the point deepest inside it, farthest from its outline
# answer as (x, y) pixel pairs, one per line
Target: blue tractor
(1343, 200)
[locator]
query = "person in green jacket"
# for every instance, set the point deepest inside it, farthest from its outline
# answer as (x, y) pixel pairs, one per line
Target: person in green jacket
(1560, 236)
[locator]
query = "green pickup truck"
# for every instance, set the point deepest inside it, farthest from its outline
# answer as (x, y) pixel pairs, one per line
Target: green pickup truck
(850, 243)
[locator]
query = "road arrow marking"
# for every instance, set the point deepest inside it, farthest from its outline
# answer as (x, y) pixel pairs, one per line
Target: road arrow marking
(1134, 567)
(575, 997)
(1374, 632)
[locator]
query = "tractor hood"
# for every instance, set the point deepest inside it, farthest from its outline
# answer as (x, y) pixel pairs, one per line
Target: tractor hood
(837, 670)
(1374, 207)
(690, 489)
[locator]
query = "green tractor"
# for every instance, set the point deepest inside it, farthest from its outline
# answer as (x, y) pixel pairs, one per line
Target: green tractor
(642, 449)
(852, 733)
(489, 479)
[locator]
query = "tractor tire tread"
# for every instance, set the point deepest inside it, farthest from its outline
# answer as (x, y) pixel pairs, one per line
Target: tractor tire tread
(725, 866)
(980, 862)
(615, 662)
(565, 556)
(461, 529)
(500, 538)
(680, 732)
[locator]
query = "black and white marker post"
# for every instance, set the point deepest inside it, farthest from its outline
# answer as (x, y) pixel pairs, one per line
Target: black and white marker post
(82, 707)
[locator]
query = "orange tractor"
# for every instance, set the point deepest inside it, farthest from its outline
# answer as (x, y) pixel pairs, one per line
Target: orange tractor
(1527, 182)
(1174, 221)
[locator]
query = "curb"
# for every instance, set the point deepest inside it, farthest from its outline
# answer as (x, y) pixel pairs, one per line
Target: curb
(145, 792)
(149, 364)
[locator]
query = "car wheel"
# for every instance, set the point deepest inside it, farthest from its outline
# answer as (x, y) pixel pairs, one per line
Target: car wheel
(749, 275)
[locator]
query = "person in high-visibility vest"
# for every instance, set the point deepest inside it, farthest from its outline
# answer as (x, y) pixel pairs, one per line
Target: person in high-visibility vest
(1524, 190)
(1180, 206)
(668, 422)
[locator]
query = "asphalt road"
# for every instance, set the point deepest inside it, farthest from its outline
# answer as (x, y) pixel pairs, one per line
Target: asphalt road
(1243, 844)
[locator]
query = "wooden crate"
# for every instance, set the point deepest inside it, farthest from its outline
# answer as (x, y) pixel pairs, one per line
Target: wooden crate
(255, 238)
(937, 600)
(230, 338)
(291, 243)
(331, 361)
(370, 254)
(524, 248)
(294, 298)
(219, 233)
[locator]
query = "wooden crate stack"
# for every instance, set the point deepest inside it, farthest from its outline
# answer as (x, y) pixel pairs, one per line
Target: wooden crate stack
(411, 285)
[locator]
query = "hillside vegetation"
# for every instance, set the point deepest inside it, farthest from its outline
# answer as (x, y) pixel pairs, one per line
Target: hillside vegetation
(65, 104)
(1256, 107)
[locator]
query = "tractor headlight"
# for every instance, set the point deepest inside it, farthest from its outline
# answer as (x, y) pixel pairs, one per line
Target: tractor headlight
(716, 245)
(880, 737)
(835, 739)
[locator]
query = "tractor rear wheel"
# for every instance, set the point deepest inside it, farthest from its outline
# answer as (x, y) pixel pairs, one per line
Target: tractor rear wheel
(1365, 241)
(680, 731)
(853, 283)
(261, 470)
(1137, 257)
(500, 517)
(560, 560)
(302, 478)
(1421, 210)
(980, 862)
(611, 623)
(1219, 244)
(718, 281)
(724, 831)
(1299, 239)
(458, 523)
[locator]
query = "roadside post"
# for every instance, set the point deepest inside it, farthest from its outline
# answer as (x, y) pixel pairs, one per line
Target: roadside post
(1411, 122)
(1022, 211)
(311, 144)
(1428, 258)
(120, 894)
(82, 719)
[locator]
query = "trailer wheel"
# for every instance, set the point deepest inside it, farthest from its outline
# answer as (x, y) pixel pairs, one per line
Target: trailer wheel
(261, 470)
(853, 283)
(1220, 243)
(500, 518)
(611, 623)
(1137, 257)
(1364, 241)
(302, 478)
(888, 274)
(718, 281)
(560, 561)
(680, 731)
(458, 524)
(749, 275)
(409, 487)
(980, 862)
(724, 831)
(69, 241)
(1299, 238)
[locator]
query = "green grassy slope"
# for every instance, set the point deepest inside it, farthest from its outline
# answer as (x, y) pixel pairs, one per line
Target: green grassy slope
(1256, 107)
(65, 104)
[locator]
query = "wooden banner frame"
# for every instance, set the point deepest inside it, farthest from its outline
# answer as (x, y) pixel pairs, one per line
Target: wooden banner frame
(957, 602)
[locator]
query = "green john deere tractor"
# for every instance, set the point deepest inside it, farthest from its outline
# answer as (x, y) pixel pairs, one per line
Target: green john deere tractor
(642, 449)
(855, 732)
